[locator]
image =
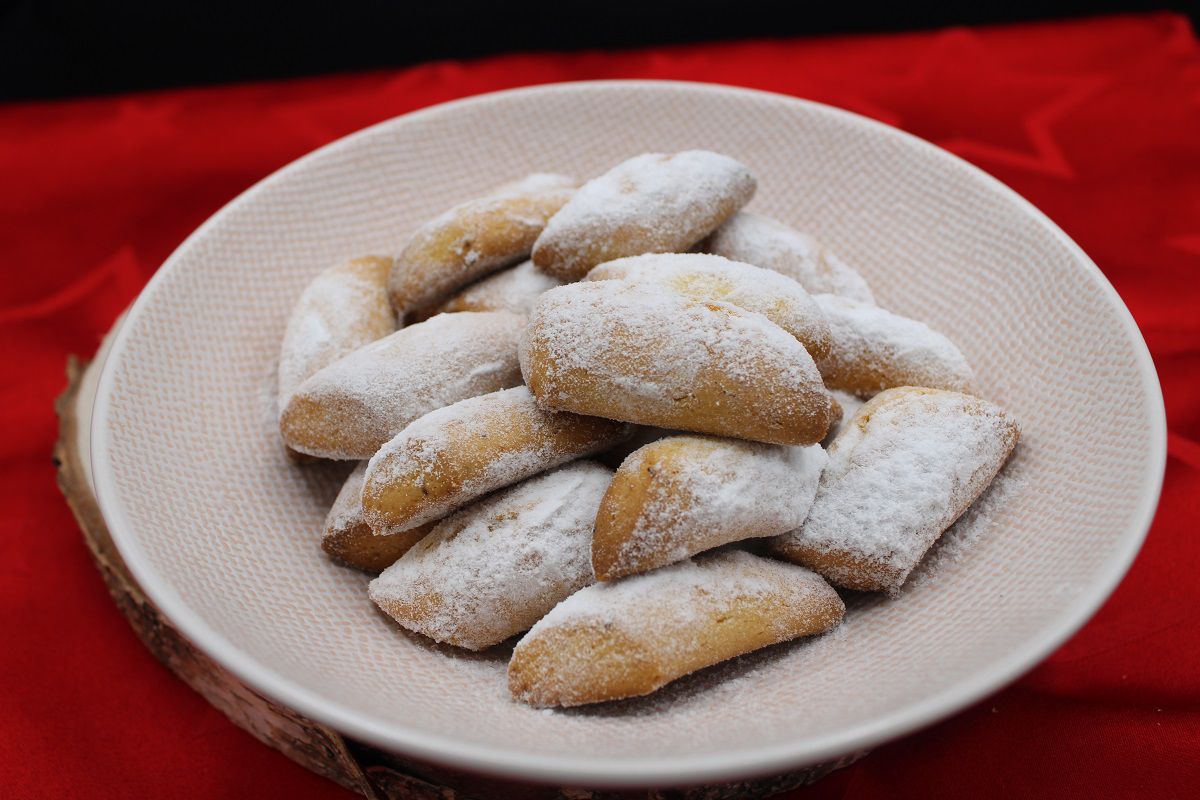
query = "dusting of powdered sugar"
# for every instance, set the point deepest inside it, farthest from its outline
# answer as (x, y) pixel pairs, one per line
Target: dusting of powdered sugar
(770, 244)
(669, 617)
(358, 403)
(343, 308)
(515, 290)
(707, 277)
(716, 491)
(901, 472)
(648, 353)
(346, 511)
(873, 349)
(491, 570)
(652, 203)
(442, 443)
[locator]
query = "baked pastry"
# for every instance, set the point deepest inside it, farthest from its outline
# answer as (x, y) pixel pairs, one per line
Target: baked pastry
(632, 636)
(456, 454)
(641, 354)
(515, 289)
(345, 307)
(705, 277)
(493, 569)
(770, 244)
(471, 240)
(349, 409)
(652, 203)
(685, 494)
(901, 472)
(349, 540)
(874, 350)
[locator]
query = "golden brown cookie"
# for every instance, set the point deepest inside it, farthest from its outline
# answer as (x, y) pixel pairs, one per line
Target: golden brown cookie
(641, 354)
(713, 278)
(632, 636)
(456, 454)
(873, 350)
(682, 495)
(770, 244)
(349, 409)
(900, 472)
(349, 540)
(494, 568)
(345, 307)
(469, 241)
(652, 203)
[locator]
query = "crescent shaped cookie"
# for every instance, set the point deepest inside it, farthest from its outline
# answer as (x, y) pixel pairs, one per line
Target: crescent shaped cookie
(469, 241)
(901, 472)
(515, 289)
(652, 203)
(640, 354)
(685, 494)
(349, 409)
(633, 636)
(705, 277)
(349, 540)
(456, 454)
(493, 569)
(874, 350)
(345, 307)
(770, 244)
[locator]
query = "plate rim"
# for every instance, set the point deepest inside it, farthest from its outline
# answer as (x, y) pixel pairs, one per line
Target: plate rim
(680, 770)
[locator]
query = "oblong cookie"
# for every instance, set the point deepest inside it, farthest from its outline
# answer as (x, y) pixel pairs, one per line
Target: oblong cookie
(515, 289)
(641, 354)
(455, 454)
(900, 472)
(707, 277)
(632, 636)
(873, 350)
(770, 244)
(345, 307)
(469, 241)
(682, 495)
(652, 203)
(349, 409)
(349, 540)
(493, 569)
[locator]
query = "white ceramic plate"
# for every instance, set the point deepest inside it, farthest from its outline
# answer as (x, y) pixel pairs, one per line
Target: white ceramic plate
(222, 532)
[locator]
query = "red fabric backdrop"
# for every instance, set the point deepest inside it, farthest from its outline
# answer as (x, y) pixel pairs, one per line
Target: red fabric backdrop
(1095, 121)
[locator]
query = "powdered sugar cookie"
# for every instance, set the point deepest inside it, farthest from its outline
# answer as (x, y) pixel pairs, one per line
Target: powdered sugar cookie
(470, 241)
(515, 289)
(685, 494)
(344, 308)
(494, 568)
(455, 454)
(902, 470)
(848, 405)
(652, 203)
(770, 244)
(874, 350)
(640, 354)
(632, 636)
(349, 409)
(348, 538)
(705, 277)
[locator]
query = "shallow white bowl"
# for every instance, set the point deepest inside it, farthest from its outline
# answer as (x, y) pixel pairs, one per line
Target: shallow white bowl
(222, 532)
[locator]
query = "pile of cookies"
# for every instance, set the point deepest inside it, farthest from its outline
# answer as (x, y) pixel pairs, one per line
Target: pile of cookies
(626, 420)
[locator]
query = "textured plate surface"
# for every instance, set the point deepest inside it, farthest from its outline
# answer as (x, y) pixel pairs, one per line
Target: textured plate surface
(223, 532)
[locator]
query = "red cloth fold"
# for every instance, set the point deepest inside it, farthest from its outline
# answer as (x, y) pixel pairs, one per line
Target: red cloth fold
(1095, 121)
